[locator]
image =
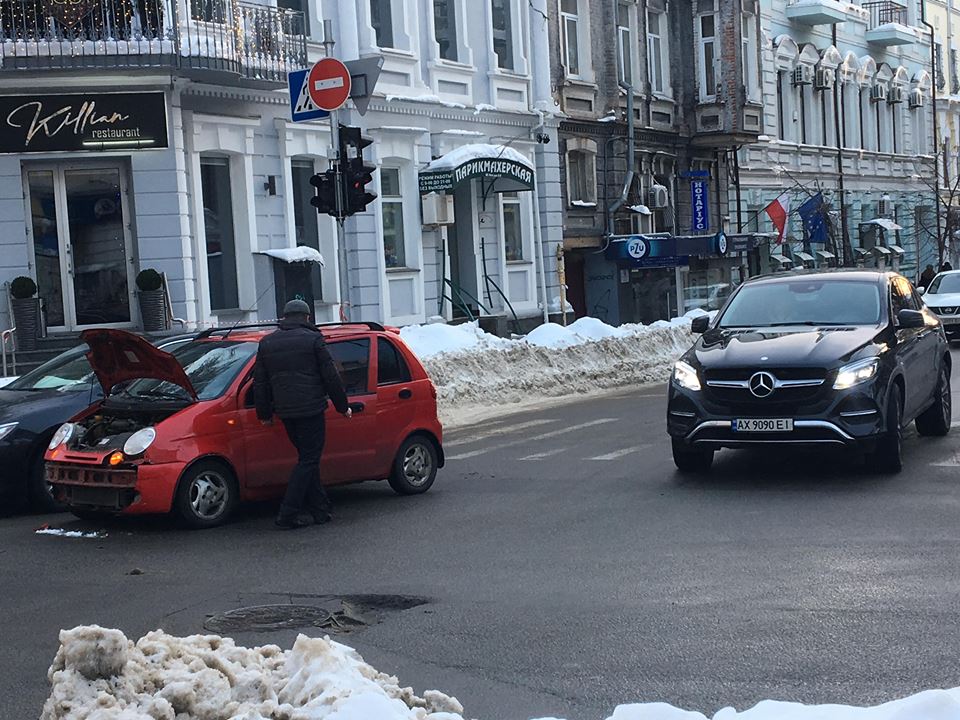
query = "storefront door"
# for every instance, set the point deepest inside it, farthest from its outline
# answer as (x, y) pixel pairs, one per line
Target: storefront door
(80, 242)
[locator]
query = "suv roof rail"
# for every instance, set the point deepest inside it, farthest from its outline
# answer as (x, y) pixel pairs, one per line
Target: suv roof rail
(369, 324)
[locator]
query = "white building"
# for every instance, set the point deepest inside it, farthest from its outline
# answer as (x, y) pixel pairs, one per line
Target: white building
(157, 134)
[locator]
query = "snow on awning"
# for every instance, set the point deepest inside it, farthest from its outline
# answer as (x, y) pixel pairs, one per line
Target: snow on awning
(897, 250)
(825, 255)
(642, 209)
(881, 250)
(803, 256)
(885, 223)
(504, 167)
(295, 255)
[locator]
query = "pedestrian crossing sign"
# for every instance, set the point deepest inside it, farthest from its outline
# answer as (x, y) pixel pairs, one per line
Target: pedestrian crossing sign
(301, 106)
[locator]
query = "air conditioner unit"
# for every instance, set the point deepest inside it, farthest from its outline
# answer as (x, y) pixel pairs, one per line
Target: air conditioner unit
(437, 209)
(878, 92)
(803, 75)
(895, 95)
(915, 98)
(824, 79)
(659, 197)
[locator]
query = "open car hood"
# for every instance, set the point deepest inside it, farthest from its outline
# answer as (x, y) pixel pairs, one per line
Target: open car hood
(117, 356)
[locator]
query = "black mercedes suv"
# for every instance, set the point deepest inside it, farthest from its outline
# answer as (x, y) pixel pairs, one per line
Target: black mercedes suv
(842, 357)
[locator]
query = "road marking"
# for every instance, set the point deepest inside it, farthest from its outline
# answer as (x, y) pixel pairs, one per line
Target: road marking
(498, 431)
(543, 436)
(541, 455)
(620, 453)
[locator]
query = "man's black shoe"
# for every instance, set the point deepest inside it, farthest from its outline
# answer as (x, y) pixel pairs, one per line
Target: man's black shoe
(296, 522)
(322, 516)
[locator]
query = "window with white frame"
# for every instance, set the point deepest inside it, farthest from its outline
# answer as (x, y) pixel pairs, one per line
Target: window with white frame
(581, 177)
(570, 36)
(502, 22)
(219, 233)
(708, 56)
(625, 41)
(748, 39)
(391, 209)
(381, 17)
(658, 60)
(512, 227)
(445, 28)
(306, 220)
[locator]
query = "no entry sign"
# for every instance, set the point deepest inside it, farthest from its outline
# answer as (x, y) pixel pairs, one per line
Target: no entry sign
(329, 84)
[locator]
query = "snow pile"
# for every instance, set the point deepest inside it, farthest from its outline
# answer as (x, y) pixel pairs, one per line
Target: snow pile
(438, 338)
(6, 380)
(99, 673)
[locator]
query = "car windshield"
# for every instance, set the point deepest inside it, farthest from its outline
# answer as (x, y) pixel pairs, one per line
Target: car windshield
(67, 372)
(801, 301)
(944, 284)
(210, 365)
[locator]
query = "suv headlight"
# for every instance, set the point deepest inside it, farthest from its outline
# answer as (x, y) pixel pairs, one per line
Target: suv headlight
(856, 373)
(61, 436)
(685, 376)
(139, 441)
(6, 429)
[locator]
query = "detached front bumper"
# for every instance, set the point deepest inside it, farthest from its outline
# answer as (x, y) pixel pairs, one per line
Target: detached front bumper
(129, 490)
(852, 418)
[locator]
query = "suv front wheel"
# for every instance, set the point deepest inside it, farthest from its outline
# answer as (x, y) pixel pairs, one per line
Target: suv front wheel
(689, 460)
(888, 456)
(935, 420)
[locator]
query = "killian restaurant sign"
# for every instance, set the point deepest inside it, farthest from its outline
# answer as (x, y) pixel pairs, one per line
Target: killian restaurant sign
(85, 122)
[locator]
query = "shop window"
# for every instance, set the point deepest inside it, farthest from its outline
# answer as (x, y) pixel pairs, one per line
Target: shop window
(209, 10)
(305, 217)
(445, 28)
(502, 12)
(381, 17)
(581, 177)
(625, 41)
(219, 233)
(658, 60)
(708, 57)
(570, 36)
(391, 367)
(391, 206)
(352, 358)
(512, 226)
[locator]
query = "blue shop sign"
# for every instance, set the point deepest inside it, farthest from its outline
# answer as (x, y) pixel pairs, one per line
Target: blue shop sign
(700, 206)
(663, 250)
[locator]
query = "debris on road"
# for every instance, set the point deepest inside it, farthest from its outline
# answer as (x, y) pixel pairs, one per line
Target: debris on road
(60, 532)
(100, 673)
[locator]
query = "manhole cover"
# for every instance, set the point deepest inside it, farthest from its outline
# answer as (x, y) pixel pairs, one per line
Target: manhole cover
(288, 617)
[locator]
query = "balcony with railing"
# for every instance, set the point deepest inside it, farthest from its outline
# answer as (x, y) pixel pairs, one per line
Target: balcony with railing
(888, 24)
(235, 39)
(824, 12)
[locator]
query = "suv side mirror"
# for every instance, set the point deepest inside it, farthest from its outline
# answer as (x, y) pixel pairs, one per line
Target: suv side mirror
(700, 324)
(910, 319)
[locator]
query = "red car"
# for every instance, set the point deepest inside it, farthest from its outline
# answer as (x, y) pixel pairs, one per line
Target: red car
(178, 432)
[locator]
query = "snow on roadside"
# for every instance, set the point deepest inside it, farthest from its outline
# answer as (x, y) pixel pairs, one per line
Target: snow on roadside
(476, 371)
(98, 674)
(6, 381)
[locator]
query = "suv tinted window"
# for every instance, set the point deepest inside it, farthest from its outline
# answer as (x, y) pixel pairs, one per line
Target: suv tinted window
(352, 358)
(391, 367)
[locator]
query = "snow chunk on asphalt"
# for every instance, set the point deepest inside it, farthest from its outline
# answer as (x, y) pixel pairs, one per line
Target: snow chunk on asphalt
(99, 673)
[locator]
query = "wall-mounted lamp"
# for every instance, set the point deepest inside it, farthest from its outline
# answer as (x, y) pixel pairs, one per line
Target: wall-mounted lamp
(271, 185)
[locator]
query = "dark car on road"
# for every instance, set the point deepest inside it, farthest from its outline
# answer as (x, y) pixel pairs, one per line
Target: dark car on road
(835, 358)
(32, 407)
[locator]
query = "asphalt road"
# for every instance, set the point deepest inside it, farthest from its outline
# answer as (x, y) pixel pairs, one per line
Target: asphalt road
(565, 567)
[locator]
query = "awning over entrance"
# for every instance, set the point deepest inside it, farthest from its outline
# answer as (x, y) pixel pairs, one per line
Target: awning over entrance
(885, 223)
(506, 169)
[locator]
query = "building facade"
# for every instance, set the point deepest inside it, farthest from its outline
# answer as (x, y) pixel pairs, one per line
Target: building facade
(158, 134)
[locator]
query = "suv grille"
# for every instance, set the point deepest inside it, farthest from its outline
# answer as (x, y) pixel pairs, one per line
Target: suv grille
(793, 386)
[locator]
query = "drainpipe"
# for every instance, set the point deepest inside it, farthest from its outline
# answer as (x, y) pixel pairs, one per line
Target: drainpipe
(539, 248)
(631, 148)
(840, 124)
(936, 126)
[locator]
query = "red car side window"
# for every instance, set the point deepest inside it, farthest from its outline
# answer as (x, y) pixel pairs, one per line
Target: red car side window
(391, 367)
(352, 358)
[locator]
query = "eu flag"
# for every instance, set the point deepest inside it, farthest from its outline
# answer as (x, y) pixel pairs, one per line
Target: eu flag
(813, 214)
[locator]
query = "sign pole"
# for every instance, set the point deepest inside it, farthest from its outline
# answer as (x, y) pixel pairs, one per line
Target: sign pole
(343, 275)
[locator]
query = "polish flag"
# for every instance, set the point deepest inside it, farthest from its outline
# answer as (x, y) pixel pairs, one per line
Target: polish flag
(778, 211)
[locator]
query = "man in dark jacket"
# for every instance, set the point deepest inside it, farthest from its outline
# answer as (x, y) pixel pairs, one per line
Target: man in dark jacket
(293, 378)
(927, 276)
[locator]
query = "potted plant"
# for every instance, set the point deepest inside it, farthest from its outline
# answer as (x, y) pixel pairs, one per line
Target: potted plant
(26, 311)
(153, 303)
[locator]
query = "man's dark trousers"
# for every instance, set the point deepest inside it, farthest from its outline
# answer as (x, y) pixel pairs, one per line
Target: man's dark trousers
(304, 491)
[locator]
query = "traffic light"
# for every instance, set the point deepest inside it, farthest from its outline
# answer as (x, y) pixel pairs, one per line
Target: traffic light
(325, 201)
(357, 174)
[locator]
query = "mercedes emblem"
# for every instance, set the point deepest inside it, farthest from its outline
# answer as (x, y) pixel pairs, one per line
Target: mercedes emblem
(762, 384)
